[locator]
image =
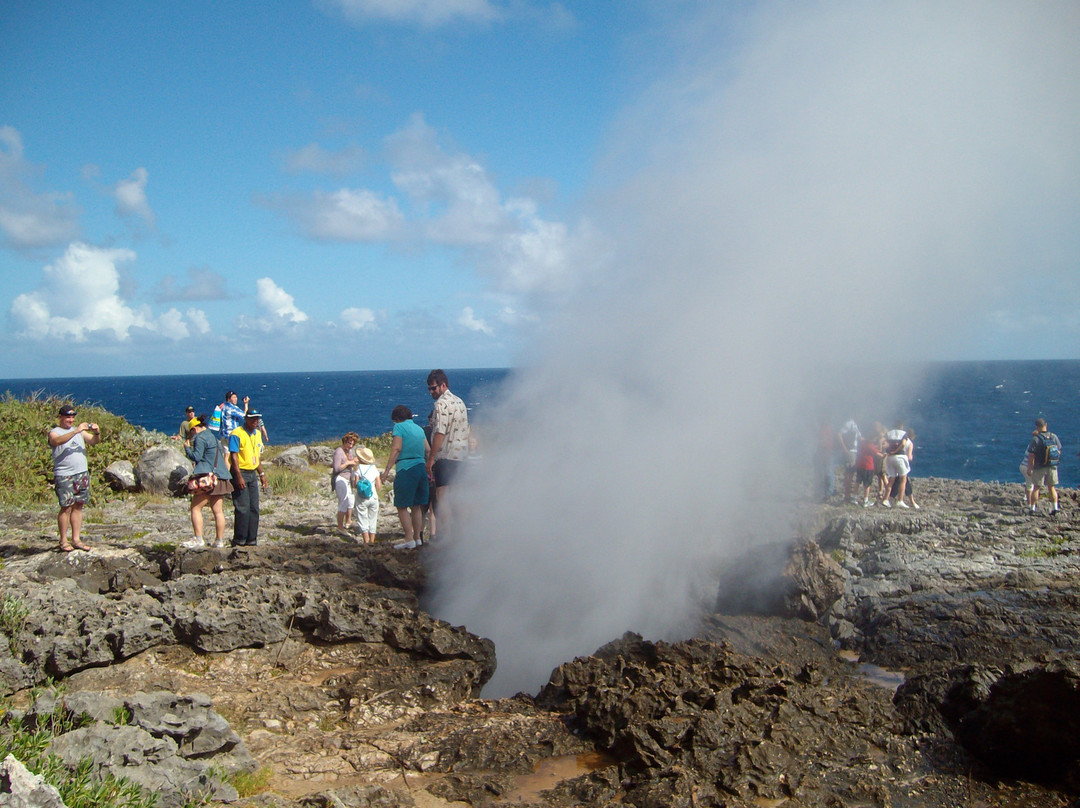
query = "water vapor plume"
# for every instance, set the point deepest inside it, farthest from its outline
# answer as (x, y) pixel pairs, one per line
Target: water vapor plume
(815, 185)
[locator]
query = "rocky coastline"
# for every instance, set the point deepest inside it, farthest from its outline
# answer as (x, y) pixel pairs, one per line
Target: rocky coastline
(307, 664)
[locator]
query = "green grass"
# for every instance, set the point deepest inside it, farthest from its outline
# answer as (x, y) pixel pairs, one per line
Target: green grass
(26, 472)
(290, 482)
(248, 784)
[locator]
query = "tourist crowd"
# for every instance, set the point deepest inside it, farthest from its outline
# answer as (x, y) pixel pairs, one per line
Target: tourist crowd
(226, 449)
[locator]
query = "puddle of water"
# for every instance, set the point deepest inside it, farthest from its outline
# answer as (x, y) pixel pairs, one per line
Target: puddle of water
(875, 674)
(552, 771)
(890, 680)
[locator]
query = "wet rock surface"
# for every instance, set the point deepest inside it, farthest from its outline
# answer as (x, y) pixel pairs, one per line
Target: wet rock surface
(307, 660)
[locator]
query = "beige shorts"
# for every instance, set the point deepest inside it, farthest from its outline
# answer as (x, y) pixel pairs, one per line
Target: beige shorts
(1044, 475)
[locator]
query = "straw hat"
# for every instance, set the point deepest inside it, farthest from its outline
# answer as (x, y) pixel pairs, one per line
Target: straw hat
(364, 455)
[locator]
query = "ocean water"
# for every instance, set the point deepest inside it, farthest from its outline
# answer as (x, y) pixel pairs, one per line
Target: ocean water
(296, 407)
(972, 419)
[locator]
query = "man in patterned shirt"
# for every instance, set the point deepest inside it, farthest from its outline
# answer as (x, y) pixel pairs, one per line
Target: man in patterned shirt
(449, 443)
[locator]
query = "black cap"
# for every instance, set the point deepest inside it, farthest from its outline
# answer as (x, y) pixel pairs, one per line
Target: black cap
(253, 414)
(67, 409)
(190, 409)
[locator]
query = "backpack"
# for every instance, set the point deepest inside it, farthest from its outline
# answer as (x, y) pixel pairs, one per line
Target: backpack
(1048, 452)
(364, 488)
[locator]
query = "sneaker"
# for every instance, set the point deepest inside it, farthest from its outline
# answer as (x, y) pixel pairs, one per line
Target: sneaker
(196, 542)
(885, 503)
(217, 543)
(405, 545)
(902, 504)
(915, 505)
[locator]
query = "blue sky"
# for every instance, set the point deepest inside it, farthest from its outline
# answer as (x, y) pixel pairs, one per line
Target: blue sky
(366, 184)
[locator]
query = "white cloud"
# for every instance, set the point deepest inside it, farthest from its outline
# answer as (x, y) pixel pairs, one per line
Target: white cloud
(358, 319)
(79, 296)
(276, 302)
(451, 201)
(520, 251)
(29, 219)
(469, 321)
(428, 13)
(315, 159)
(130, 196)
(346, 215)
(197, 320)
(171, 325)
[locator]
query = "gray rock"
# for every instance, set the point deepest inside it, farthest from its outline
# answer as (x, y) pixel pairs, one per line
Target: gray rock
(373, 796)
(74, 629)
(19, 788)
(120, 476)
(295, 457)
(321, 455)
(153, 763)
(162, 470)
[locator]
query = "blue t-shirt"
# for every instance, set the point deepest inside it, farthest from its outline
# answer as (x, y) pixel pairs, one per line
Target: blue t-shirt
(412, 445)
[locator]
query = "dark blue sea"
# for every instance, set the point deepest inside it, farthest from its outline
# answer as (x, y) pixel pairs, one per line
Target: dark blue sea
(296, 407)
(972, 419)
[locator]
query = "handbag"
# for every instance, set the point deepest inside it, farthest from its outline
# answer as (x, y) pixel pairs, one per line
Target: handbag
(206, 482)
(202, 483)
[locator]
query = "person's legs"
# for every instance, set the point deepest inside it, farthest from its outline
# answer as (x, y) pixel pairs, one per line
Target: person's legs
(417, 520)
(76, 526)
(241, 514)
(197, 502)
(217, 507)
(63, 524)
(253, 515)
(406, 524)
(901, 486)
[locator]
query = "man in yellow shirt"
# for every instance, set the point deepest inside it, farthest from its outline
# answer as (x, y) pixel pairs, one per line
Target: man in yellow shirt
(245, 448)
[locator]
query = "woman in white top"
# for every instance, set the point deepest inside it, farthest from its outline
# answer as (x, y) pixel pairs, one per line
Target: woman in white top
(367, 507)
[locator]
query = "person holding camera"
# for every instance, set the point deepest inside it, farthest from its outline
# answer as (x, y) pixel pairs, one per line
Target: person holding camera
(71, 474)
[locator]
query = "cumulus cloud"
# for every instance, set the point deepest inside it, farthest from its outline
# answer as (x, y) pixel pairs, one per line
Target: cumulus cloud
(130, 196)
(427, 13)
(198, 321)
(344, 215)
(450, 200)
(29, 219)
(470, 322)
(357, 319)
(79, 296)
(276, 302)
(203, 284)
(314, 159)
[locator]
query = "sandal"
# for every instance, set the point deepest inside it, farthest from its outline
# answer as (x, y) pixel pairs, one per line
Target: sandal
(65, 547)
(80, 546)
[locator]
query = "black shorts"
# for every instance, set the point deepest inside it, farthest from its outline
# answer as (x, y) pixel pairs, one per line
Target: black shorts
(445, 472)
